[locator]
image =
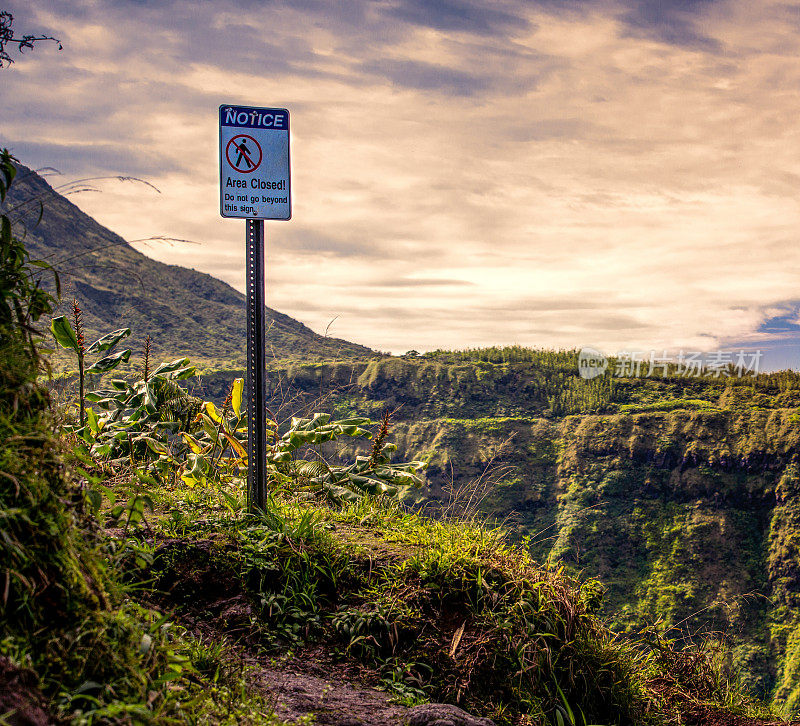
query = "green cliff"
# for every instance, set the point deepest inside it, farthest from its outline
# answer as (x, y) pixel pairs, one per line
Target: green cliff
(679, 494)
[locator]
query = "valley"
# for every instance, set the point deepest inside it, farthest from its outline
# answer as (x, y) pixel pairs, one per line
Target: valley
(663, 505)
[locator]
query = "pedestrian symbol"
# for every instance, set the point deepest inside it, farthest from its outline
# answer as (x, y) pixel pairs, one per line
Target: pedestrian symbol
(243, 153)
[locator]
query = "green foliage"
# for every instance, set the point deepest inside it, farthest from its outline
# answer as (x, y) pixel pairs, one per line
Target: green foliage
(437, 609)
(132, 665)
(56, 602)
(42, 550)
(673, 405)
(159, 432)
(368, 475)
(135, 418)
(73, 339)
(23, 299)
(566, 360)
(497, 383)
(576, 395)
(64, 334)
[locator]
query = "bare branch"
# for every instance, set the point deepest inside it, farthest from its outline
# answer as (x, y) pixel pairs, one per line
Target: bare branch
(7, 38)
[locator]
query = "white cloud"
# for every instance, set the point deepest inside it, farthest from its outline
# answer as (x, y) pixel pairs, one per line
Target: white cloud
(591, 182)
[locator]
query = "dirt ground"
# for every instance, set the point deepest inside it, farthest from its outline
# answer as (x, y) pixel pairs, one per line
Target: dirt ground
(312, 683)
(307, 684)
(21, 702)
(712, 717)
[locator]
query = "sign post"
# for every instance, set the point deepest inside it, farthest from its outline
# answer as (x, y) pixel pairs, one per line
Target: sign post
(256, 368)
(255, 184)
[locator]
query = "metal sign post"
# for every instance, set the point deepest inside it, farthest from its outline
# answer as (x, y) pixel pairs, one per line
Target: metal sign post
(255, 184)
(256, 367)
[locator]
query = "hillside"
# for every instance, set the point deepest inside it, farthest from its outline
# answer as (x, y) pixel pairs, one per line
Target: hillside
(186, 312)
(679, 494)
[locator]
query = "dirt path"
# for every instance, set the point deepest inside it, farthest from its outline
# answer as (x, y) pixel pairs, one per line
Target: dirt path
(702, 716)
(312, 683)
(21, 701)
(309, 682)
(305, 686)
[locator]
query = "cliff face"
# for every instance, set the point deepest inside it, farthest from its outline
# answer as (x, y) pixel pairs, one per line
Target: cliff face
(688, 517)
(683, 498)
(680, 526)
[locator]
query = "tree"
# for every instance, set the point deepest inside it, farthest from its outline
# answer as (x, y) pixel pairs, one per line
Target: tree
(7, 38)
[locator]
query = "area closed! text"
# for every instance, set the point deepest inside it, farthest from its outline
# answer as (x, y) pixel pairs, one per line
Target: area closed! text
(255, 184)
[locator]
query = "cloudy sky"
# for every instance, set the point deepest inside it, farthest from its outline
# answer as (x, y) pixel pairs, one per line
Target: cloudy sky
(614, 173)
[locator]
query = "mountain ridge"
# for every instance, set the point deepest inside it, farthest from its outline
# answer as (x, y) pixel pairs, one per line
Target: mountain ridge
(185, 312)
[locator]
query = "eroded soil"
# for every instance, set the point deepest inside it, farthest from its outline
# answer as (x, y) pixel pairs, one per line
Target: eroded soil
(297, 685)
(309, 685)
(701, 716)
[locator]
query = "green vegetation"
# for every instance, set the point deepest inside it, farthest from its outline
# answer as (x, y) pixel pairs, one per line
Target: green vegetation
(431, 388)
(155, 431)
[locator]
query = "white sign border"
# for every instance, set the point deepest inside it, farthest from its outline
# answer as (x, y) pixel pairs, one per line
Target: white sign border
(288, 160)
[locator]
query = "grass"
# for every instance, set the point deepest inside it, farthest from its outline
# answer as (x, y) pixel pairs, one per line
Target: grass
(439, 610)
(673, 405)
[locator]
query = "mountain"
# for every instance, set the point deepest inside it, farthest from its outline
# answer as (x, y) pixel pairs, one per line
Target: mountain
(184, 311)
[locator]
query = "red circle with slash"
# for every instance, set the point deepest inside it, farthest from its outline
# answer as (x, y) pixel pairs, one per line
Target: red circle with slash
(246, 153)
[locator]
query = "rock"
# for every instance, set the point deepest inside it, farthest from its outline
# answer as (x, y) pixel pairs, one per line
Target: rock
(443, 714)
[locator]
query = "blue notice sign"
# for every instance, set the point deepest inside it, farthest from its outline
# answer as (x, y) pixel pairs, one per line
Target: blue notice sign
(254, 170)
